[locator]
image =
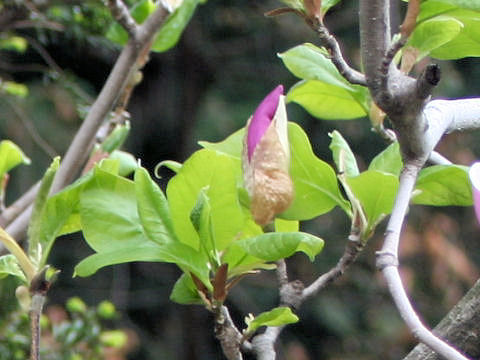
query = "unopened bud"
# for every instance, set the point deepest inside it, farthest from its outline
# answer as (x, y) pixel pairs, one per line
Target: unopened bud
(266, 159)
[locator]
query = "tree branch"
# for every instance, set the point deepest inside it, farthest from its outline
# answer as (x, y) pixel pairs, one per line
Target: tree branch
(459, 327)
(121, 14)
(331, 44)
(83, 141)
(227, 333)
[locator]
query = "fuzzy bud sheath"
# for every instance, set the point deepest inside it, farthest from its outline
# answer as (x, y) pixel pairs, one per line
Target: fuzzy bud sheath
(474, 175)
(266, 159)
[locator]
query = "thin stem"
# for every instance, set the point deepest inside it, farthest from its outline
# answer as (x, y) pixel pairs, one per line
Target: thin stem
(38, 300)
(352, 250)
(121, 14)
(331, 44)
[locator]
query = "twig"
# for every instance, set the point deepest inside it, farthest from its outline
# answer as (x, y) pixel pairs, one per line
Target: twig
(39, 287)
(293, 294)
(352, 250)
(27, 124)
(38, 300)
(387, 262)
(121, 14)
(331, 44)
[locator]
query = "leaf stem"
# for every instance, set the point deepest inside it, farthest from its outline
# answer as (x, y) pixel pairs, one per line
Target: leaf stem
(12, 246)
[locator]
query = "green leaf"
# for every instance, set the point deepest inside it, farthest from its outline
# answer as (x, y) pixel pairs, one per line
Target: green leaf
(464, 4)
(315, 183)
(433, 33)
(9, 266)
(14, 88)
(108, 210)
(15, 43)
(324, 93)
(201, 218)
(113, 228)
(61, 215)
(443, 185)
(294, 4)
(343, 155)
(309, 62)
(388, 161)
(171, 31)
(275, 246)
(10, 156)
(282, 225)
(140, 11)
(174, 252)
(376, 192)
(185, 292)
(466, 42)
(152, 207)
(217, 174)
(116, 138)
(169, 164)
(127, 162)
(231, 146)
(276, 317)
(327, 4)
(329, 102)
(37, 221)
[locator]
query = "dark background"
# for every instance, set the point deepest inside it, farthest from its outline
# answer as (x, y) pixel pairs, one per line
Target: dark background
(204, 89)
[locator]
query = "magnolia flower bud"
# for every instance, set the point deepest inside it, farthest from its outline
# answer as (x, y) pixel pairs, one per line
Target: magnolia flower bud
(474, 175)
(266, 159)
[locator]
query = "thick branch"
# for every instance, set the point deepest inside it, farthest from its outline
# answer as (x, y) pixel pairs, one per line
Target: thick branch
(460, 327)
(374, 38)
(228, 335)
(387, 262)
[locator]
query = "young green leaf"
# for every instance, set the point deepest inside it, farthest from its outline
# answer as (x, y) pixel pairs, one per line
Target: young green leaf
(177, 253)
(433, 33)
(10, 156)
(329, 102)
(282, 225)
(309, 62)
(169, 164)
(276, 317)
(376, 192)
(185, 292)
(443, 185)
(314, 181)
(108, 210)
(127, 162)
(343, 155)
(34, 232)
(276, 246)
(152, 207)
(9, 266)
(231, 146)
(218, 174)
(388, 161)
(171, 31)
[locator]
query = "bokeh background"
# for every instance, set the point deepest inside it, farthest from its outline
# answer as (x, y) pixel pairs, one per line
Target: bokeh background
(205, 88)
